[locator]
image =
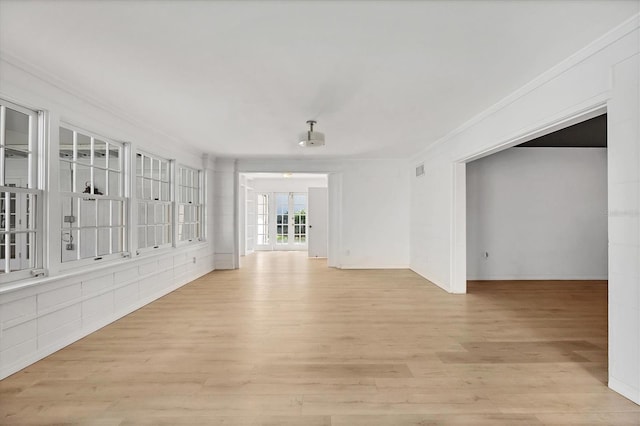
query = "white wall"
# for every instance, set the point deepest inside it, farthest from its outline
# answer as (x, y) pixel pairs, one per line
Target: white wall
(225, 224)
(368, 218)
(41, 315)
(539, 213)
(604, 73)
(250, 221)
(375, 219)
(624, 223)
(294, 184)
(242, 217)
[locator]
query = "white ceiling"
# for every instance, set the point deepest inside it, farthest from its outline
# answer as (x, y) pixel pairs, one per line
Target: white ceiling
(383, 79)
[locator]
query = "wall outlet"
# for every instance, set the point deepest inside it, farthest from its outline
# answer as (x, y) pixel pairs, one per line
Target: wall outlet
(194, 260)
(70, 246)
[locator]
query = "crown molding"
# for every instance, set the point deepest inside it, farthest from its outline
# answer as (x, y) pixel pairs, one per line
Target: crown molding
(567, 64)
(111, 109)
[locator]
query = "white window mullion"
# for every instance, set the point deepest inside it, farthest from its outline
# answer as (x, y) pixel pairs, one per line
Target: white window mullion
(111, 224)
(7, 235)
(2, 141)
(79, 221)
(173, 181)
(107, 177)
(37, 219)
(74, 177)
(31, 183)
(54, 212)
(92, 183)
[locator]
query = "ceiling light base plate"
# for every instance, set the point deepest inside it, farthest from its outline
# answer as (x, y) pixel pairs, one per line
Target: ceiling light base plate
(311, 139)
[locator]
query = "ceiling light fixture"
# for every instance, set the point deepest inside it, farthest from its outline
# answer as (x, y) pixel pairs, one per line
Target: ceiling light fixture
(311, 139)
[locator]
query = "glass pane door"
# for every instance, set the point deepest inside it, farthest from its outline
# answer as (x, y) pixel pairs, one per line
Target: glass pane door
(282, 219)
(291, 221)
(262, 217)
(299, 218)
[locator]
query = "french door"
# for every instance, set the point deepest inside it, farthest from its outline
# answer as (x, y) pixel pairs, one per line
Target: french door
(289, 229)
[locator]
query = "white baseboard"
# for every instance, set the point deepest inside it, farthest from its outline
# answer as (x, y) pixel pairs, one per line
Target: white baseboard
(224, 261)
(625, 390)
(373, 266)
(539, 278)
(443, 286)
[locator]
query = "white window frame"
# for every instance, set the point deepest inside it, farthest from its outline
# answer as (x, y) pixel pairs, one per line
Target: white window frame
(189, 202)
(34, 188)
(153, 200)
(68, 227)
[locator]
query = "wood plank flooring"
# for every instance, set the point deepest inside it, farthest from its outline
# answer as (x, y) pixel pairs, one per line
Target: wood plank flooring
(287, 341)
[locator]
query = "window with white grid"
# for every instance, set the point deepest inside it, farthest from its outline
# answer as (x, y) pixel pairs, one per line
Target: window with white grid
(262, 218)
(153, 201)
(189, 204)
(92, 196)
(20, 196)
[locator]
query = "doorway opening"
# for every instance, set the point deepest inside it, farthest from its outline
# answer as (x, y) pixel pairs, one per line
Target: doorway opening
(538, 210)
(284, 212)
(537, 228)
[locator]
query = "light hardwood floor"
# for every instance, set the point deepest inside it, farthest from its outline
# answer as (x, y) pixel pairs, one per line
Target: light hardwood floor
(287, 341)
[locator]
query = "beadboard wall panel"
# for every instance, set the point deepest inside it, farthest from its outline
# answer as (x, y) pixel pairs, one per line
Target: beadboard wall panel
(38, 320)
